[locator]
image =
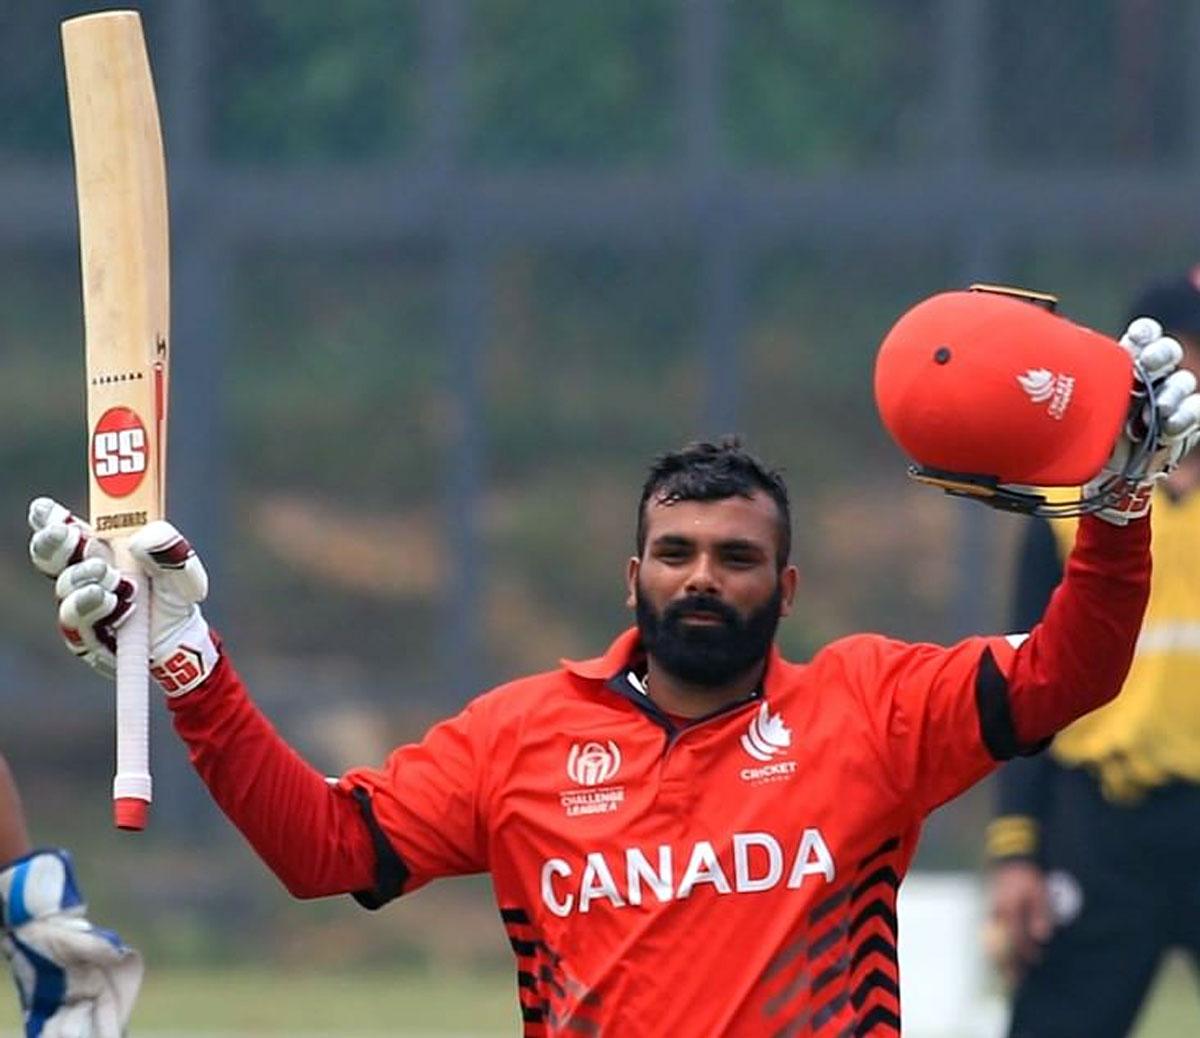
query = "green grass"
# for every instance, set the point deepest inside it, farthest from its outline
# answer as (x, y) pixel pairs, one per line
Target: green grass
(1174, 1006)
(260, 1002)
(240, 1003)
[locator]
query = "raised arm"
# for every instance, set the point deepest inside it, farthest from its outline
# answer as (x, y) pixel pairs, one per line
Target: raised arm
(1076, 659)
(948, 716)
(311, 834)
(373, 834)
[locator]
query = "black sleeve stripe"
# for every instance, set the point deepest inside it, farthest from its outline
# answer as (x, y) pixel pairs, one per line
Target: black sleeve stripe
(995, 713)
(390, 871)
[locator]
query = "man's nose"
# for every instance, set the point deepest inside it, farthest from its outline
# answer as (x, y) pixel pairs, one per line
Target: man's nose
(702, 579)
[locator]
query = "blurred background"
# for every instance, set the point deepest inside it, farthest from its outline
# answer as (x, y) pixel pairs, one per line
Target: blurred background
(447, 274)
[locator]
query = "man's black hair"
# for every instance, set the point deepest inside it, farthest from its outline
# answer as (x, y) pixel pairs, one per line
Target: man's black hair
(706, 471)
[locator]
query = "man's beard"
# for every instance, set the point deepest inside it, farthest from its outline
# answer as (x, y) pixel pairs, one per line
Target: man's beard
(708, 655)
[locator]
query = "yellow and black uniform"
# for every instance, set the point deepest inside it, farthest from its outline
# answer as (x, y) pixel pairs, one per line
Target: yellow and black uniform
(1111, 810)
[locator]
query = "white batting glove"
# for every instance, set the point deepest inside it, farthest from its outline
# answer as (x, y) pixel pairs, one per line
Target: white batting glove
(94, 599)
(1178, 408)
(75, 980)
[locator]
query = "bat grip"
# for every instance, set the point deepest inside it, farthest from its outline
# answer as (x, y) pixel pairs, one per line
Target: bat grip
(131, 785)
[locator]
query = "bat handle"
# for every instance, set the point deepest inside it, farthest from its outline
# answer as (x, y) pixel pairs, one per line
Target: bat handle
(131, 785)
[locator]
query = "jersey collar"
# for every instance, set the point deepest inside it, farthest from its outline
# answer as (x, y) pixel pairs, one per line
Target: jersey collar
(622, 652)
(616, 658)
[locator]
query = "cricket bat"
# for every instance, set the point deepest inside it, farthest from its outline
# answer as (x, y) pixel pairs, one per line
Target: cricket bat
(120, 181)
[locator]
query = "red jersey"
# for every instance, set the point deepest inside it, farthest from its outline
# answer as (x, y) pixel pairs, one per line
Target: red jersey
(736, 876)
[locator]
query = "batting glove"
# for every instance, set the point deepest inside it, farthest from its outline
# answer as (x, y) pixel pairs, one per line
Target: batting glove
(1177, 407)
(75, 980)
(95, 599)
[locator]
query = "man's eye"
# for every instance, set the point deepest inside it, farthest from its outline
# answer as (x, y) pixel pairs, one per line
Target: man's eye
(740, 560)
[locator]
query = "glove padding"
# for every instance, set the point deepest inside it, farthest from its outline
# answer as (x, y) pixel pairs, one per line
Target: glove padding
(1177, 407)
(74, 980)
(95, 599)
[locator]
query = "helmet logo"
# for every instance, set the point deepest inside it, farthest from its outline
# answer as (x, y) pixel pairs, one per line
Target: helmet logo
(1038, 383)
(1041, 386)
(767, 735)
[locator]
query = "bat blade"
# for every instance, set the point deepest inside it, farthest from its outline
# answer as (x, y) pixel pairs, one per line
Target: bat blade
(120, 179)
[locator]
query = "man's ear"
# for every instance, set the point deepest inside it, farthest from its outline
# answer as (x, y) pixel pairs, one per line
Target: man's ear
(789, 580)
(631, 572)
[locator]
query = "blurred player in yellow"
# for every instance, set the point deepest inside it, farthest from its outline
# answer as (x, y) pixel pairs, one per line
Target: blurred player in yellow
(1094, 847)
(75, 980)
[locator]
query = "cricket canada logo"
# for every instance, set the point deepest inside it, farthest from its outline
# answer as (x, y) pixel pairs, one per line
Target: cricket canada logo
(767, 739)
(119, 451)
(592, 764)
(1042, 386)
(1038, 384)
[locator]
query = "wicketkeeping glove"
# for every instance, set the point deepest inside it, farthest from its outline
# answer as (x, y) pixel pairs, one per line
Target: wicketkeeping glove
(75, 980)
(94, 599)
(1172, 420)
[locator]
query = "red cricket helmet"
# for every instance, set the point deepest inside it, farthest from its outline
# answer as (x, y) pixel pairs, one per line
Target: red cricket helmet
(989, 394)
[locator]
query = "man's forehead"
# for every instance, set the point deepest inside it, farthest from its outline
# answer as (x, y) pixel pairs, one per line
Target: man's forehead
(752, 518)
